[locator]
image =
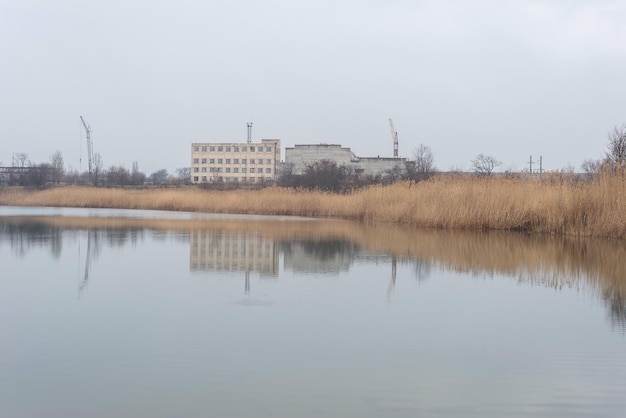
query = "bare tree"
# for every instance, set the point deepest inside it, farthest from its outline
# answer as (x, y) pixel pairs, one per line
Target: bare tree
(327, 175)
(393, 174)
(38, 175)
(20, 159)
(118, 176)
(485, 164)
(287, 177)
(616, 152)
(591, 167)
(98, 167)
(56, 161)
(424, 163)
(72, 176)
(137, 177)
(184, 173)
(159, 176)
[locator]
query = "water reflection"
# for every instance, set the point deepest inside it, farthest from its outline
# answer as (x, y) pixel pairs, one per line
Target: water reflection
(25, 236)
(232, 251)
(330, 248)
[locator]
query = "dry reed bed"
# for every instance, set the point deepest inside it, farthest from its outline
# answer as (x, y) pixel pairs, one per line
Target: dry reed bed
(552, 205)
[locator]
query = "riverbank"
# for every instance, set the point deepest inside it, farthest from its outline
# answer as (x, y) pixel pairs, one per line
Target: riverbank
(552, 205)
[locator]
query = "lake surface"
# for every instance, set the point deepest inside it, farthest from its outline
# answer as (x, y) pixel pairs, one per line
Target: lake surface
(153, 314)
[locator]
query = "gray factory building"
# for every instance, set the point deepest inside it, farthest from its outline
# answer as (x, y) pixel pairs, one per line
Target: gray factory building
(299, 156)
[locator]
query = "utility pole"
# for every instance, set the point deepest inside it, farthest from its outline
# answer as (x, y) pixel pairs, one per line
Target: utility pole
(540, 165)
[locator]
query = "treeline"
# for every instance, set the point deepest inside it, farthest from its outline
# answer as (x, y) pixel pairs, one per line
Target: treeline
(24, 172)
(329, 176)
(325, 175)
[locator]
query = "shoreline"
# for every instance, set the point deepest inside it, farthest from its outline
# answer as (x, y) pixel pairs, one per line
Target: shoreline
(552, 205)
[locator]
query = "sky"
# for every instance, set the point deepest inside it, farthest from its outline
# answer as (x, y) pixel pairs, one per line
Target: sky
(508, 79)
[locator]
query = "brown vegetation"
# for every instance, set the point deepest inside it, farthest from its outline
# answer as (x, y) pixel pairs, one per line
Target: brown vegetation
(553, 204)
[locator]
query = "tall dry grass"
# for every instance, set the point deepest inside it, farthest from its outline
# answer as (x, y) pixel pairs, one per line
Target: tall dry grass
(552, 205)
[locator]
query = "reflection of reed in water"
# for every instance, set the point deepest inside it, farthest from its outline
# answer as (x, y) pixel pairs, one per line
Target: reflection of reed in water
(598, 266)
(556, 262)
(24, 233)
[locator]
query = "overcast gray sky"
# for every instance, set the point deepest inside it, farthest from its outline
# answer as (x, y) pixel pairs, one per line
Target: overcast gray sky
(503, 78)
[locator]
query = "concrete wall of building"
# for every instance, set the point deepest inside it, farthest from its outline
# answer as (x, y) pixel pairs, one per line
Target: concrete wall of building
(235, 162)
(379, 166)
(300, 156)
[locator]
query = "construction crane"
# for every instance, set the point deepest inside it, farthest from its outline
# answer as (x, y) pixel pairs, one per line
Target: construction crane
(89, 145)
(92, 251)
(394, 137)
(249, 132)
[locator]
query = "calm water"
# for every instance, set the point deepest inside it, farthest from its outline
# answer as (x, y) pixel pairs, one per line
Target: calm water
(138, 314)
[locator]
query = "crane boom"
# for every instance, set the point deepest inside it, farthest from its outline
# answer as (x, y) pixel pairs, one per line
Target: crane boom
(89, 144)
(394, 138)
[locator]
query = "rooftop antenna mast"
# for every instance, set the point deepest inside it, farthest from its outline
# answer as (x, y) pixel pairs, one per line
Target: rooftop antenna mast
(394, 137)
(249, 132)
(89, 145)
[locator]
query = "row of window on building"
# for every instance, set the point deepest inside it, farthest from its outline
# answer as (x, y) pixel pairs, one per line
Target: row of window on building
(205, 179)
(231, 148)
(231, 161)
(230, 170)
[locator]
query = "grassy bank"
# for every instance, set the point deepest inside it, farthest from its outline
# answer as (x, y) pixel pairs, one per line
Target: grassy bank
(551, 205)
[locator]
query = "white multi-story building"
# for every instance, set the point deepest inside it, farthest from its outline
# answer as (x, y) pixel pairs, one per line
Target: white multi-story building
(235, 162)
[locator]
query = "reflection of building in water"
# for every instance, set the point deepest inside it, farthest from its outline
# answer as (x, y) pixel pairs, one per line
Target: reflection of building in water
(232, 251)
(331, 256)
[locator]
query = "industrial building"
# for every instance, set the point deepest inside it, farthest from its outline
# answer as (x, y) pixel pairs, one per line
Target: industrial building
(300, 156)
(248, 162)
(261, 162)
(235, 162)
